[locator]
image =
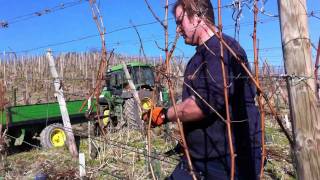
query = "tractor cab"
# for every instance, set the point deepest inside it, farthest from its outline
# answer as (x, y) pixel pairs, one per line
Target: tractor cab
(117, 105)
(141, 74)
(117, 86)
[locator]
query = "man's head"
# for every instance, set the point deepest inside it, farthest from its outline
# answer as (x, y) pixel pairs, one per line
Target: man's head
(191, 16)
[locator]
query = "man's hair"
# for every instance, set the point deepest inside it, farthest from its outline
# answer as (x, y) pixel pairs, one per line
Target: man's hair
(201, 8)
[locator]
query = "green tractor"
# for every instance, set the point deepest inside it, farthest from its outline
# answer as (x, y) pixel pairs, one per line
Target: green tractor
(118, 108)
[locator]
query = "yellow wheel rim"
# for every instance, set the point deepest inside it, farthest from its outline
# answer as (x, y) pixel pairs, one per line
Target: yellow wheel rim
(58, 138)
(146, 103)
(106, 117)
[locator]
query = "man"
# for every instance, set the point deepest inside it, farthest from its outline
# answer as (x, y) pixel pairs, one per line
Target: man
(203, 101)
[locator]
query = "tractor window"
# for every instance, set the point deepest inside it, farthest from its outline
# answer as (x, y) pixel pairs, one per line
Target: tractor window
(111, 81)
(140, 76)
(115, 80)
(143, 76)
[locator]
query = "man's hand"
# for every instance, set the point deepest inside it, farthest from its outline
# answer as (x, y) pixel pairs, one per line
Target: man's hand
(158, 116)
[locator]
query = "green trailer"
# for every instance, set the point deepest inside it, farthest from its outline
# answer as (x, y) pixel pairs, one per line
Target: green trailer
(117, 108)
(41, 122)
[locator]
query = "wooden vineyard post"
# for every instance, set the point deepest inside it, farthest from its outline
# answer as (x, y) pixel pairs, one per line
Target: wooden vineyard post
(134, 91)
(304, 112)
(63, 107)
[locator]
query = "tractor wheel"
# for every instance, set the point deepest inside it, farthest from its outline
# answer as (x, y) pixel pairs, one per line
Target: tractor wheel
(53, 136)
(131, 114)
(4, 142)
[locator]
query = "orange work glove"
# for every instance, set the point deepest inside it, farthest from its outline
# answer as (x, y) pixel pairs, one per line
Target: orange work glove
(158, 116)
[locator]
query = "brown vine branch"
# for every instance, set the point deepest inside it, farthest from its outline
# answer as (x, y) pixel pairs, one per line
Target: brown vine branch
(243, 65)
(162, 49)
(316, 69)
(167, 68)
(166, 34)
(174, 45)
(180, 125)
(140, 40)
(149, 136)
(103, 63)
(274, 90)
(154, 14)
(226, 98)
(261, 107)
(96, 87)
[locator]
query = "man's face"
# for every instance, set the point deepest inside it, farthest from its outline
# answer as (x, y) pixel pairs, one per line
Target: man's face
(186, 27)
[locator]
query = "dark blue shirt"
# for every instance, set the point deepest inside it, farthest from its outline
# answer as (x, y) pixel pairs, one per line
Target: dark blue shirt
(207, 139)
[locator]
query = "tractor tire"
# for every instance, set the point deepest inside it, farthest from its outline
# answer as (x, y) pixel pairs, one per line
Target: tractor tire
(131, 114)
(53, 136)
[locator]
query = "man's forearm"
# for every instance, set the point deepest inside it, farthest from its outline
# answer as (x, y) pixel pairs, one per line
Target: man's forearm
(187, 111)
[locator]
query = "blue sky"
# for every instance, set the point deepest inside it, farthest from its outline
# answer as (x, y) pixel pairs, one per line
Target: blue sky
(36, 34)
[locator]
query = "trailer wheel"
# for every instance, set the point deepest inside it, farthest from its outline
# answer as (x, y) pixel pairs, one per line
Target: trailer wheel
(53, 136)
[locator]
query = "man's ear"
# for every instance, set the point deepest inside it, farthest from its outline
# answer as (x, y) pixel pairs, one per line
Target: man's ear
(196, 20)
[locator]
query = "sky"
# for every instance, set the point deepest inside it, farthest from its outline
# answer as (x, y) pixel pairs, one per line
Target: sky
(67, 26)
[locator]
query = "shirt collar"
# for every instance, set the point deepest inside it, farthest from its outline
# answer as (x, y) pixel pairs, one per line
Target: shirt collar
(202, 47)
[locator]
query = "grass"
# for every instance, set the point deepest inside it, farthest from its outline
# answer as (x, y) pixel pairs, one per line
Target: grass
(26, 165)
(279, 159)
(122, 155)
